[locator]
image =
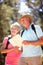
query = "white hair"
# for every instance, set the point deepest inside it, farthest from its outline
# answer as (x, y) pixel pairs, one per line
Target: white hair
(15, 24)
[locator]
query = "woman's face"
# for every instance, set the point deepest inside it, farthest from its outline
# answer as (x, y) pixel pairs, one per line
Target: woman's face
(14, 30)
(25, 22)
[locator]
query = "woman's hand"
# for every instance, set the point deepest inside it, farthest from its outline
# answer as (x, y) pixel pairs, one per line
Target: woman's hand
(16, 48)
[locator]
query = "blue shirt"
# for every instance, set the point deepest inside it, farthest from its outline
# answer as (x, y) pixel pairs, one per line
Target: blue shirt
(31, 50)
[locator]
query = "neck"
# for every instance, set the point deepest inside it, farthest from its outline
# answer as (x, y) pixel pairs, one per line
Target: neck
(27, 27)
(15, 34)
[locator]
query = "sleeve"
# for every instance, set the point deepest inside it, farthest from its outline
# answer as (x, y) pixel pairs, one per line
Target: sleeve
(5, 40)
(39, 31)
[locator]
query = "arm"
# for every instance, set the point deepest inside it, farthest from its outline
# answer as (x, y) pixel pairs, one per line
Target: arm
(38, 42)
(40, 36)
(6, 50)
(11, 49)
(3, 50)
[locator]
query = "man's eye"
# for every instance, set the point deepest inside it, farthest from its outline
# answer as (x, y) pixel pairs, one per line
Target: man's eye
(22, 20)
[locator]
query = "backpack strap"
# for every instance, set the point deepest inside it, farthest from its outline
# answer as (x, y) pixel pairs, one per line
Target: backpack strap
(22, 33)
(4, 55)
(7, 42)
(6, 47)
(33, 28)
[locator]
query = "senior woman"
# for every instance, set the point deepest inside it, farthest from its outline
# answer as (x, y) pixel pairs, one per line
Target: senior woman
(13, 53)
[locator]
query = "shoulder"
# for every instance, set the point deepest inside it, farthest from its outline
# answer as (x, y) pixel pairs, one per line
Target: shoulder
(37, 26)
(6, 39)
(39, 30)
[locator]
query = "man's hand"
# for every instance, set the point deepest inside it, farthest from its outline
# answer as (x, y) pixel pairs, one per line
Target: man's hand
(26, 42)
(30, 42)
(35, 43)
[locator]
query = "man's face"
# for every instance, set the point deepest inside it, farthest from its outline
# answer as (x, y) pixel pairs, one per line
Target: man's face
(25, 22)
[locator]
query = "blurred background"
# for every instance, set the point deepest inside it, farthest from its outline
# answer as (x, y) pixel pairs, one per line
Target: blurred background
(11, 10)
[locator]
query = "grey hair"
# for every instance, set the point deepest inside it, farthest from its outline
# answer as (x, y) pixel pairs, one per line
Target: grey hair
(16, 24)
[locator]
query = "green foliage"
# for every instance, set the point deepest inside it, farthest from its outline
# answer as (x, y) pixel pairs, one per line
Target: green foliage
(1, 32)
(4, 29)
(1, 59)
(6, 11)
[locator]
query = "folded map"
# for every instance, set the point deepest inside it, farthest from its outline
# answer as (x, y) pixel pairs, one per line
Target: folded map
(16, 40)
